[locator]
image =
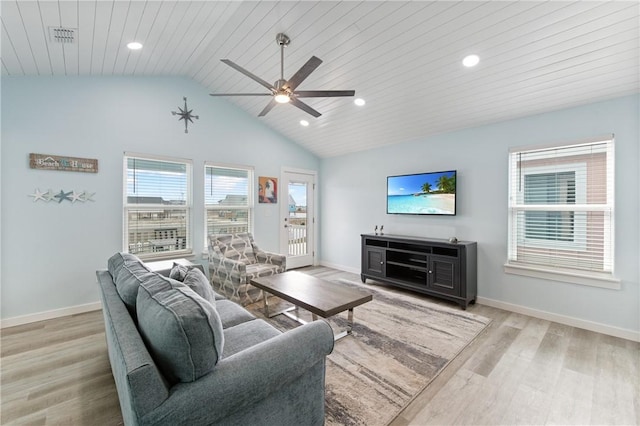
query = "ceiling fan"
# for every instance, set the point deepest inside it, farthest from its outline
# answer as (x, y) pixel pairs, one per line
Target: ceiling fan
(284, 91)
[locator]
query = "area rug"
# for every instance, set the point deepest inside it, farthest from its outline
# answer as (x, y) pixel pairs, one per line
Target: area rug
(401, 341)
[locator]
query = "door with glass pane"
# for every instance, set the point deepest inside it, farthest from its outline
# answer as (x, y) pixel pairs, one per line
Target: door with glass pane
(297, 218)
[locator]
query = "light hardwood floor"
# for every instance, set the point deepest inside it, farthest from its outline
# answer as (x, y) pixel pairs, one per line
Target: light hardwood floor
(521, 370)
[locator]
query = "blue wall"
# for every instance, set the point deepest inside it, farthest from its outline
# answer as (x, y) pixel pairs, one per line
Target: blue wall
(353, 196)
(50, 251)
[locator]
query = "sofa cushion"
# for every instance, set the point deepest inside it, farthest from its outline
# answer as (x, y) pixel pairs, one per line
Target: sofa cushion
(116, 261)
(236, 247)
(232, 314)
(246, 335)
(181, 329)
(131, 274)
(198, 282)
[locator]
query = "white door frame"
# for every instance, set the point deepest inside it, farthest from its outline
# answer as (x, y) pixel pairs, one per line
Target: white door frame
(284, 207)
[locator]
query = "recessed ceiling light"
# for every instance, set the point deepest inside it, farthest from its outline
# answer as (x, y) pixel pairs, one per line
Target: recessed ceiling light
(304, 123)
(134, 45)
(470, 61)
(359, 101)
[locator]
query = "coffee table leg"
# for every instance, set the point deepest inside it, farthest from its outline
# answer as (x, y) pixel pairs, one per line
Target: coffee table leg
(266, 303)
(349, 329)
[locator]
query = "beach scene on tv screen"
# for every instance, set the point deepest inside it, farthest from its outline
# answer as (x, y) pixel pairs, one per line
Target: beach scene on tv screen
(427, 193)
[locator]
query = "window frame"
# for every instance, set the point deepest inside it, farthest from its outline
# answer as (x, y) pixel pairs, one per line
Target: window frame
(580, 218)
(187, 207)
(250, 207)
(604, 278)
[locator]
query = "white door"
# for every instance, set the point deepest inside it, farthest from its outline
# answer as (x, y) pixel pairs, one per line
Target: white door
(297, 217)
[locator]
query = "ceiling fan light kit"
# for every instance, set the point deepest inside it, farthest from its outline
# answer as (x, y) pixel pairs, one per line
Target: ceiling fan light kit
(284, 91)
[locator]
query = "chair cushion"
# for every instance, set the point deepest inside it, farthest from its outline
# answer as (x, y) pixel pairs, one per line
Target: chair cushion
(181, 329)
(261, 270)
(236, 247)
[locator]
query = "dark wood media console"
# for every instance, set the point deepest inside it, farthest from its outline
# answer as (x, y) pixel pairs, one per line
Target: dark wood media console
(430, 266)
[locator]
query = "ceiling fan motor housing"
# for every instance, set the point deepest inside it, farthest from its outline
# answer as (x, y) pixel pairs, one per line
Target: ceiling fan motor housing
(283, 39)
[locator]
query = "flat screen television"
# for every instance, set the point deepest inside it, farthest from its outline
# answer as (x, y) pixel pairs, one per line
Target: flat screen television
(431, 193)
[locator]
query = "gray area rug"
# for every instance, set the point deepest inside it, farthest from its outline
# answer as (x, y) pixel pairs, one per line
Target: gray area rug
(401, 341)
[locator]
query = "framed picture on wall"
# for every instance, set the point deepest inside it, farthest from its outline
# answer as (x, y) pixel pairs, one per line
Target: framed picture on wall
(267, 190)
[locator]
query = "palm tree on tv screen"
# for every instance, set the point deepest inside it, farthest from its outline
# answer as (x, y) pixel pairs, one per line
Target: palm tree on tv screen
(426, 187)
(447, 184)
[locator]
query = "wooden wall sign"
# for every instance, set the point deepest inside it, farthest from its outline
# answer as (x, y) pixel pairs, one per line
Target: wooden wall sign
(57, 162)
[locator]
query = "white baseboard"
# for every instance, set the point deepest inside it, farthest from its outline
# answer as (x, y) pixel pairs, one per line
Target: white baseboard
(56, 313)
(340, 267)
(563, 319)
(549, 316)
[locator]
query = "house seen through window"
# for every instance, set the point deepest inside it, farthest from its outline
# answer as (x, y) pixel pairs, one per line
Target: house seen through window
(228, 199)
(157, 206)
(561, 208)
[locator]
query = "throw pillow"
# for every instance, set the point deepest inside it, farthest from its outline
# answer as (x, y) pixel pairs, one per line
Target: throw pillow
(178, 272)
(115, 262)
(181, 329)
(130, 275)
(199, 283)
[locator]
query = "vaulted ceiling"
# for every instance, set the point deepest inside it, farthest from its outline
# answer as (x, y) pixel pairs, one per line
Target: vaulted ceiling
(403, 58)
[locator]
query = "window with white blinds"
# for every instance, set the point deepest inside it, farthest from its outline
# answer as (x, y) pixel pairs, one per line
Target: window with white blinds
(561, 208)
(228, 199)
(157, 206)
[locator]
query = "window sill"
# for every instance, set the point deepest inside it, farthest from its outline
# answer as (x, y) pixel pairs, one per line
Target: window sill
(152, 257)
(592, 280)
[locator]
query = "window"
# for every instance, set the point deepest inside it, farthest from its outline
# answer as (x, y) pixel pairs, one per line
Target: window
(157, 206)
(228, 198)
(561, 211)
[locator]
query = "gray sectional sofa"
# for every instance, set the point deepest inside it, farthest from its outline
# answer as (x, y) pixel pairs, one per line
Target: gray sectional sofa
(181, 354)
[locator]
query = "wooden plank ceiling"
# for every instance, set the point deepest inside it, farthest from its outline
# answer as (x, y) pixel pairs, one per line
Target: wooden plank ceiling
(403, 58)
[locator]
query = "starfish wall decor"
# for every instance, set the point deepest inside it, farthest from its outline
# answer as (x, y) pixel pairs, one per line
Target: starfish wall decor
(185, 114)
(71, 196)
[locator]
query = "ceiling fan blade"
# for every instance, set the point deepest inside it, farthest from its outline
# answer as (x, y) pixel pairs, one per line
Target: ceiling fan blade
(323, 93)
(303, 73)
(240, 94)
(306, 108)
(268, 108)
(248, 74)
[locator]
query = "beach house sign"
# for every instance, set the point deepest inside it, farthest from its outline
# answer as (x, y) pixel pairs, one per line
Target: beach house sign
(57, 162)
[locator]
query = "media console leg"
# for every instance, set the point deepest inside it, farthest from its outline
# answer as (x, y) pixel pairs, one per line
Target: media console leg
(363, 278)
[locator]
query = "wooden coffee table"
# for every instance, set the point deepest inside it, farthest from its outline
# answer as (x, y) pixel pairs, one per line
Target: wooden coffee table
(320, 297)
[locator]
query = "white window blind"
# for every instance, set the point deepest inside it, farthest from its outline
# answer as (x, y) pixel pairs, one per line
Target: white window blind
(157, 206)
(561, 208)
(228, 199)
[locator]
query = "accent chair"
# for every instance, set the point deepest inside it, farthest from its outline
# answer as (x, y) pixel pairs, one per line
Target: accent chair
(234, 259)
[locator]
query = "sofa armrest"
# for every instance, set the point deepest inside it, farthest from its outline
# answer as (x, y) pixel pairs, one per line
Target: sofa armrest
(272, 258)
(247, 377)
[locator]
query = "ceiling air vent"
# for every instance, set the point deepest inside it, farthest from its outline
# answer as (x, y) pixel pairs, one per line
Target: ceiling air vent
(62, 35)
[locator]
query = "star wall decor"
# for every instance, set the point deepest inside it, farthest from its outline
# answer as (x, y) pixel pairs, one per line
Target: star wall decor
(71, 196)
(185, 114)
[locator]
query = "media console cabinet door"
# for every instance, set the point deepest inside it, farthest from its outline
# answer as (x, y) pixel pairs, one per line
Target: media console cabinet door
(375, 261)
(444, 276)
